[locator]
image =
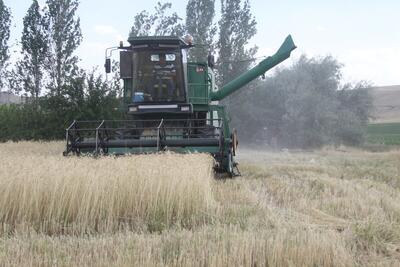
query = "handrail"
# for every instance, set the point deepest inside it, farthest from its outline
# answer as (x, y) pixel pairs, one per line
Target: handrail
(97, 137)
(72, 124)
(159, 133)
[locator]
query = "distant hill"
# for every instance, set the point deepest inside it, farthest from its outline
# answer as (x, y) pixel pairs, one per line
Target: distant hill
(387, 103)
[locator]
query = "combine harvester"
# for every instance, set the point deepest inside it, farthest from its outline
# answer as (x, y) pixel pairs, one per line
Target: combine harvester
(171, 104)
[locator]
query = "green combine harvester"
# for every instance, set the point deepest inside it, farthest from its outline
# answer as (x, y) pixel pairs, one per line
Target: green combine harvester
(171, 104)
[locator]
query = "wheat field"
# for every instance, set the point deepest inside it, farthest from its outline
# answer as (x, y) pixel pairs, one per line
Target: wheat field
(324, 208)
(53, 195)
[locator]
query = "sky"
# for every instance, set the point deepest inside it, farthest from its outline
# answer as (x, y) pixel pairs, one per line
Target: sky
(364, 35)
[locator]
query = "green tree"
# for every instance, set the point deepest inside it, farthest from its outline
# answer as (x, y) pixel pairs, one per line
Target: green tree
(142, 24)
(101, 100)
(34, 41)
(236, 27)
(5, 22)
(199, 24)
(354, 112)
(86, 96)
(64, 38)
(115, 83)
(305, 106)
(167, 24)
(162, 22)
(311, 104)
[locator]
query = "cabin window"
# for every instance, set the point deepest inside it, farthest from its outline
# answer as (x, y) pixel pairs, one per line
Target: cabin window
(158, 76)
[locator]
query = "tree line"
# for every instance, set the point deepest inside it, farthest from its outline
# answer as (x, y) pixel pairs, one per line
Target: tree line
(300, 106)
(48, 74)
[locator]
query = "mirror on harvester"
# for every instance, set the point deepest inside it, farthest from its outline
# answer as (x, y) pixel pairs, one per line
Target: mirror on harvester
(107, 65)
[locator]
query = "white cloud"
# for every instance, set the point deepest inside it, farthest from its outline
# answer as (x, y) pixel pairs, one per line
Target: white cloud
(320, 28)
(92, 54)
(380, 65)
(265, 51)
(108, 30)
(105, 30)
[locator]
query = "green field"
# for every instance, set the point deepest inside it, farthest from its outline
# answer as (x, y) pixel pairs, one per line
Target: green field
(384, 133)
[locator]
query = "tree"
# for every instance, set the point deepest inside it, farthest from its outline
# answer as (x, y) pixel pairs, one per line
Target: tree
(199, 24)
(5, 22)
(142, 25)
(305, 106)
(311, 104)
(159, 23)
(115, 84)
(100, 98)
(64, 38)
(34, 41)
(236, 27)
(354, 111)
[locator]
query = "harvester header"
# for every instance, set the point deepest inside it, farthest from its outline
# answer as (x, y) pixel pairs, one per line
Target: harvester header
(170, 104)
